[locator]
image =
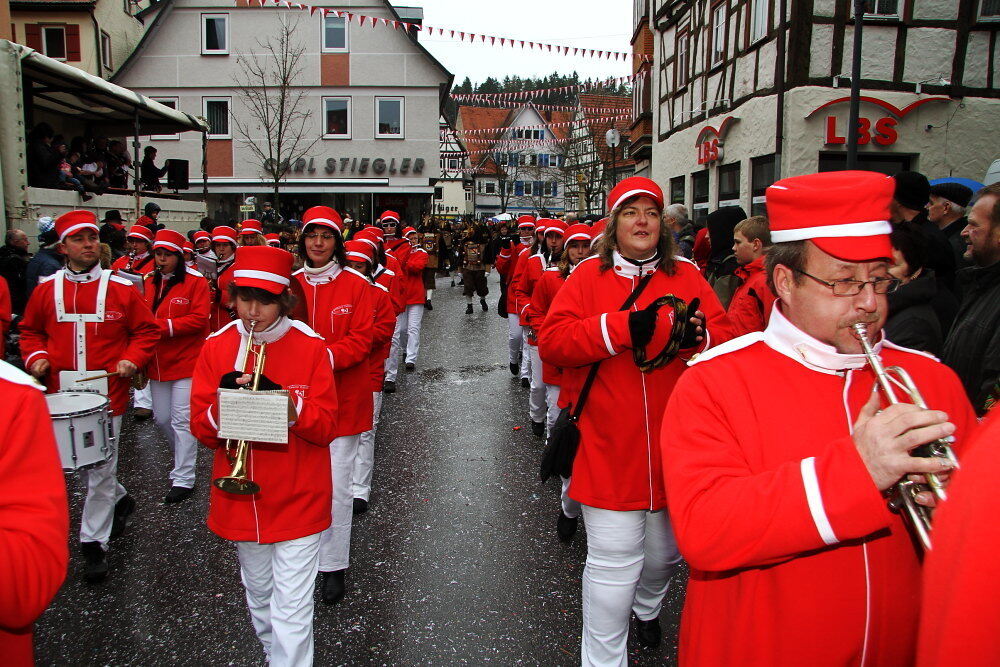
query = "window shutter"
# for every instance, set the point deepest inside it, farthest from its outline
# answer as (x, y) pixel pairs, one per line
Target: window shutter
(519, 188)
(555, 188)
(33, 36)
(538, 188)
(73, 43)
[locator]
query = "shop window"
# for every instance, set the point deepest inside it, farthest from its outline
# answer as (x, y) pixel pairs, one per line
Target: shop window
(388, 117)
(718, 50)
(758, 19)
(677, 190)
(167, 102)
(334, 34)
(682, 63)
(336, 117)
(729, 184)
(989, 10)
(215, 34)
(699, 191)
(761, 177)
(217, 115)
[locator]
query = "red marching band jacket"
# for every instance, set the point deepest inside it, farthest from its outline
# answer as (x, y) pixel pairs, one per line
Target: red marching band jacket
(384, 326)
(339, 307)
(182, 313)
(795, 558)
(413, 277)
(140, 264)
(296, 487)
(221, 314)
(750, 307)
(618, 465)
(128, 330)
(529, 272)
(534, 316)
(506, 264)
(392, 280)
(34, 519)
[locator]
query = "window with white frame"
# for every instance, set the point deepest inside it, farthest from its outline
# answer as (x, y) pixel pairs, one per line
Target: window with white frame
(882, 8)
(758, 19)
(989, 10)
(214, 34)
(490, 187)
(335, 34)
(388, 117)
(336, 117)
(54, 41)
(453, 164)
(106, 50)
(718, 33)
(217, 114)
(167, 102)
(682, 63)
(527, 188)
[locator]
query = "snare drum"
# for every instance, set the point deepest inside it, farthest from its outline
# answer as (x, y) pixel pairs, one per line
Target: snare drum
(83, 428)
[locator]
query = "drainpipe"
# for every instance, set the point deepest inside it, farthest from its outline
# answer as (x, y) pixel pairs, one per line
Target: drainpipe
(97, 43)
(782, 66)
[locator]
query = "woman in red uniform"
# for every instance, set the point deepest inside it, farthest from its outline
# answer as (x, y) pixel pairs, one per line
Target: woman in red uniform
(178, 297)
(413, 287)
(224, 247)
(338, 305)
(617, 474)
(277, 531)
(560, 385)
(506, 264)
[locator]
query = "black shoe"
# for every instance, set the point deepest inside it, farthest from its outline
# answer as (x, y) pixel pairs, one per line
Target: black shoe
(468, 309)
(360, 505)
(178, 494)
(452, 282)
(332, 588)
(410, 367)
(648, 632)
(95, 562)
(482, 302)
(428, 305)
(123, 512)
(566, 527)
(525, 382)
(514, 368)
(538, 428)
(142, 414)
(389, 387)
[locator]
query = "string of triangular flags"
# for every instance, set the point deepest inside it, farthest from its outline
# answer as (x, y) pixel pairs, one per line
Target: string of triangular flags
(506, 98)
(500, 146)
(489, 130)
(460, 35)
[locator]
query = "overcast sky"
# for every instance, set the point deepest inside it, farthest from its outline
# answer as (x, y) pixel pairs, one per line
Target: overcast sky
(576, 23)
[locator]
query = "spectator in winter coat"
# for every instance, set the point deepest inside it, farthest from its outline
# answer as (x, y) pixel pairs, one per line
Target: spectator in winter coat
(750, 306)
(47, 260)
(14, 260)
(909, 206)
(973, 345)
(149, 173)
(913, 320)
(946, 209)
(676, 217)
(720, 272)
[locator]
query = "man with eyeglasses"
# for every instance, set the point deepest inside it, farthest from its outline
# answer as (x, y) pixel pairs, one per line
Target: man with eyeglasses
(777, 452)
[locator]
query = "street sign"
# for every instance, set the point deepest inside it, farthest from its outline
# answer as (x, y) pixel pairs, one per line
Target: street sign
(613, 137)
(244, 208)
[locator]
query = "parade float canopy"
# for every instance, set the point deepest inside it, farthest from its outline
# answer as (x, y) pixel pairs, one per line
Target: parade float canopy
(67, 91)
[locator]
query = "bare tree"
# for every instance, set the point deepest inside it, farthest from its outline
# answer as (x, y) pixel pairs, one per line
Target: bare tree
(275, 129)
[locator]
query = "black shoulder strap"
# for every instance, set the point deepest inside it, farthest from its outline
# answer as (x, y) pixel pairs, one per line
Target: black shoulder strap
(585, 390)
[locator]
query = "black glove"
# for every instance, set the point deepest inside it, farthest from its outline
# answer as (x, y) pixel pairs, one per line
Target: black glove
(642, 324)
(228, 381)
(690, 336)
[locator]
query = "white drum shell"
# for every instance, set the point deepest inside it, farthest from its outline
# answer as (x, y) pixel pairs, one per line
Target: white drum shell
(82, 424)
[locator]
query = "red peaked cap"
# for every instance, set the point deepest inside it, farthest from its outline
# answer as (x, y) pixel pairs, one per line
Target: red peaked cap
(72, 222)
(322, 215)
(577, 232)
(845, 213)
(188, 246)
(389, 215)
(358, 251)
(273, 239)
(251, 226)
(202, 235)
(169, 239)
(224, 234)
(262, 266)
(407, 231)
(634, 186)
(141, 233)
(555, 226)
(526, 222)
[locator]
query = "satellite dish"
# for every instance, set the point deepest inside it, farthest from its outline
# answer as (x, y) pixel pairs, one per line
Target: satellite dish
(613, 137)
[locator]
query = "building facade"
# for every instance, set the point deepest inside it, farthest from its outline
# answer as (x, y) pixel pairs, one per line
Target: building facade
(369, 99)
(518, 159)
(453, 190)
(749, 91)
(592, 166)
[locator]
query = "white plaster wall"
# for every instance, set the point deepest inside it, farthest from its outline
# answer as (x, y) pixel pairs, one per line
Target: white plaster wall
(744, 76)
(878, 47)
(765, 76)
(929, 52)
(821, 51)
(977, 57)
(936, 9)
(824, 8)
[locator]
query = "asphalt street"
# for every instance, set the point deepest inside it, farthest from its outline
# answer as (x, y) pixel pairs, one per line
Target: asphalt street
(456, 561)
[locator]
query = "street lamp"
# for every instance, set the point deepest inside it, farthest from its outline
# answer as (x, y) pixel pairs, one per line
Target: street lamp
(852, 127)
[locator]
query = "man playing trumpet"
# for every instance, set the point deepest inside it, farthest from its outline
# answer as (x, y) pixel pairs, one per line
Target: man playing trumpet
(778, 451)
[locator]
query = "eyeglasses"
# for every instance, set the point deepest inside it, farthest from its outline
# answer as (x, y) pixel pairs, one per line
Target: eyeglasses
(849, 287)
(312, 236)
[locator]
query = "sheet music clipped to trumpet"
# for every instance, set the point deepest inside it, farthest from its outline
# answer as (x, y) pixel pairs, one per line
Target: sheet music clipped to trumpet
(256, 416)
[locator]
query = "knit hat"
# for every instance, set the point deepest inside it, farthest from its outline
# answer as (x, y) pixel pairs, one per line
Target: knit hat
(633, 187)
(358, 251)
(71, 223)
(845, 213)
(956, 193)
(224, 234)
(262, 266)
(251, 226)
(913, 190)
(169, 239)
(323, 216)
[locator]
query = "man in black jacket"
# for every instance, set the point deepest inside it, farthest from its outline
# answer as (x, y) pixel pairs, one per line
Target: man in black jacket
(909, 206)
(973, 346)
(947, 210)
(14, 259)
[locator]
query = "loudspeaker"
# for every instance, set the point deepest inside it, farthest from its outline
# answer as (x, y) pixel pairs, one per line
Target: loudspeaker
(177, 174)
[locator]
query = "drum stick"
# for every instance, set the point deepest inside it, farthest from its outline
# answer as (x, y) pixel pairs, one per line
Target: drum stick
(98, 377)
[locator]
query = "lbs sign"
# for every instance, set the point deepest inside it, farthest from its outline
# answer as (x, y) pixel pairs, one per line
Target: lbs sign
(881, 130)
(709, 141)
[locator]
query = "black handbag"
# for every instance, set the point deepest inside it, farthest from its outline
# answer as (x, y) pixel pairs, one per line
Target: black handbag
(564, 437)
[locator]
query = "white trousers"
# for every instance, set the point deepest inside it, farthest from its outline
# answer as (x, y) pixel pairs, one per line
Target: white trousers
(392, 361)
(280, 579)
(551, 405)
(514, 339)
(525, 357)
(570, 507)
(364, 462)
(103, 491)
(631, 557)
(172, 412)
(536, 395)
(414, 317)
(142, 398)
(335, 541)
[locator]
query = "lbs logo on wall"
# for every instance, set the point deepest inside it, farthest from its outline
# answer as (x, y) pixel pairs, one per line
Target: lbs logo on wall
(880, 131)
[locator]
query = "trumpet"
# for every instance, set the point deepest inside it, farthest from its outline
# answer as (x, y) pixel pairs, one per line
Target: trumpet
(238, 481)
(903, 494)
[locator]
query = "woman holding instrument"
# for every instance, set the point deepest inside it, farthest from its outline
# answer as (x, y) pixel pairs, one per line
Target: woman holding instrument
(277, 531)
